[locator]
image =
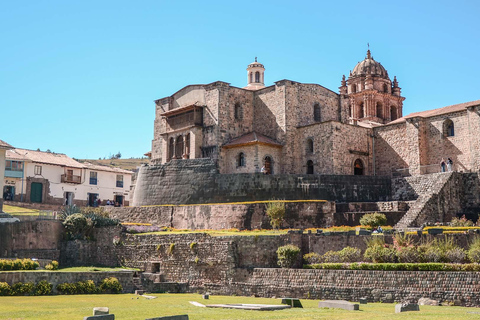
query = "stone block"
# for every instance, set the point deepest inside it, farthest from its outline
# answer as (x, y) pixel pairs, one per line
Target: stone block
(97, 311)
(363, 301)
(294, 303)
(428, 302)
(403, 307)
(206, 296)
(338, 304)
(101, 317)
(139, 292)
(180, 317)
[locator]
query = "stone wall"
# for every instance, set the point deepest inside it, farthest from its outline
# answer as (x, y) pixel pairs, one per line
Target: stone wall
(196, 181)
(11, 277)
(218, 216)
(31, 239)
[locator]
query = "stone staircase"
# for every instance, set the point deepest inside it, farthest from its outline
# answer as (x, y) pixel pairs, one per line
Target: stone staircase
(421, 188)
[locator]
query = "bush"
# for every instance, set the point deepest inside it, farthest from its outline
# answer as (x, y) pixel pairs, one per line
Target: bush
(287, 255)
(276, 213)
(22, 289)
(312, 258)
(474, 255)
(43, 288)
(456, 255)
(331, 257)
(349, 254)
(408, 255)
(380, 254)
(5, 289)
(67, 288)
(397, 266)
(110, 285)
(18, 264)
(461, 222)
(77, 225)
(373, 219)
(52, 266)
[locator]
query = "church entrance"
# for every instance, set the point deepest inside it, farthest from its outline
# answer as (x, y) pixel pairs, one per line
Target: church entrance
(268, 165)
(358, 168)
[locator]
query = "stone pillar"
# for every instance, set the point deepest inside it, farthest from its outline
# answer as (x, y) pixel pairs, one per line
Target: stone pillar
(416, 142)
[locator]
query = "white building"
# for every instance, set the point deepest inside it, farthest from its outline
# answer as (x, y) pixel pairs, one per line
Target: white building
(3, 148)
(54, 178)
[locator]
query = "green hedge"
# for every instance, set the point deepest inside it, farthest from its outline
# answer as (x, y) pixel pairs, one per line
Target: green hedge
(396, 266)
(18, 264)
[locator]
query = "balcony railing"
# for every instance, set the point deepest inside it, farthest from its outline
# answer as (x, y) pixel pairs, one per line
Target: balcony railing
(68, 178)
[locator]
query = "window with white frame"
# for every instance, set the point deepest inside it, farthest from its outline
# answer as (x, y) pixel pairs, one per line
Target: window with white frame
(38, 170)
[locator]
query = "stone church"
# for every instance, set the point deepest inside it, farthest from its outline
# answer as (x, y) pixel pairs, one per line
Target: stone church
(300, 128)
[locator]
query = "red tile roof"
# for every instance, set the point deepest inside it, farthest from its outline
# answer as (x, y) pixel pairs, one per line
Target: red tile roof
(252, 138)
(438, 111)
(58, 159)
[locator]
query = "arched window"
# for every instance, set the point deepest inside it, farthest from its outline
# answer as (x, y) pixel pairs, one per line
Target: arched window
(379, 110)
(393, 113)
(385, 87)
(171, 149)
(358, 168)
(179, 147)
(316, 113)
(309, 145)
(241, 160)
(268, 164)
(350, 111)
(448, 128)
(309, 167)
(238, 111)
(251, 77)
(187, 146)
(360, 110)
(354, 88)
(257, 77)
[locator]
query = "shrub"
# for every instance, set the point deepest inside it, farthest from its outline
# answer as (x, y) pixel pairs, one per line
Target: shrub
(77, 224)
(373, 219)
(287, 255)
(349, 254)
(22, 289)
(276, 213)
(68, 211)
(456, 255)
(408, 255)
(52, 266)
(110, 285)
(18, 264)
(312, 258)
(461, 222)
(43, 288)
(171, 248)
(331, 257)
(380, 254)
(67, 288)
(474, 255)
(5, 289)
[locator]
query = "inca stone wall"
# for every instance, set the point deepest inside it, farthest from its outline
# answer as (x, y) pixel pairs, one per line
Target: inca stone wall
(196, 181)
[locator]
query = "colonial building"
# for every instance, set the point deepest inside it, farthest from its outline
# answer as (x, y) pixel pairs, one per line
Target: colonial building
(55, 178)
(298, 128)
(3, 148)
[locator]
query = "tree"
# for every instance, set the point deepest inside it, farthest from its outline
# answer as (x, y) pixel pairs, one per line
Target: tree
(276, 213)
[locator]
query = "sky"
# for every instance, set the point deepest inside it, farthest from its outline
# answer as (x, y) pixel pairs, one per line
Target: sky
(81, 77)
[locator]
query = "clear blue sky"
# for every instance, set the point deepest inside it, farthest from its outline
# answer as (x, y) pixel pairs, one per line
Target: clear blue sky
(80, 77)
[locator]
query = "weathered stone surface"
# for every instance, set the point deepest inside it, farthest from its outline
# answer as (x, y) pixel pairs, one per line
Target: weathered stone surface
(245, 306)
(401, 307)
(294, 303)
(363, 300)
(428, 302)
(100, 310)
(180, 317)
(338, 304)
(101, 317)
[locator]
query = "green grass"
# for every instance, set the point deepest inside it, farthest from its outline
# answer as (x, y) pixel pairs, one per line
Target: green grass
(131, 307)
(19, 211)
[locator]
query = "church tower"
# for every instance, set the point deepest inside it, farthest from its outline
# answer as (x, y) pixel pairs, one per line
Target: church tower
(371, 94)
(255, 76)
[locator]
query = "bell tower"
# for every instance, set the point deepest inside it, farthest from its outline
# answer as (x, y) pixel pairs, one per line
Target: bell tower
(255, 76)
(372, 95)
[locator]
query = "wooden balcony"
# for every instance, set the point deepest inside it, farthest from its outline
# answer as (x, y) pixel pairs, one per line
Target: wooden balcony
(68, 178)
(190, 118)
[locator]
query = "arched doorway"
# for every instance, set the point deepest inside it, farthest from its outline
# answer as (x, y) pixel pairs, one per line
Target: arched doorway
(268, 163)
(309, 167)
(358, 169)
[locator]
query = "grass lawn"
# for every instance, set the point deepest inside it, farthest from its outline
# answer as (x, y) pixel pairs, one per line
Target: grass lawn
(19, 211)
(127, 306)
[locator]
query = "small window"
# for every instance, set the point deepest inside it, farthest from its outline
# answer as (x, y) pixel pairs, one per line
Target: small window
(358, 168)
(393, 113)
(360, 112)
(309, 145)
(316, 112)
(309, 167)
(257, 77)
(385, 87)
(93, 177)
(251, 77)
(238, 111)
(448, 128)
(379, 110)
(354, 88)
(119, 181)
(241, 160)
(38, 170)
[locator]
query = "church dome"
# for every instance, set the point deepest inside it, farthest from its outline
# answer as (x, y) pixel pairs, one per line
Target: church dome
(255, 64)
(369, 66)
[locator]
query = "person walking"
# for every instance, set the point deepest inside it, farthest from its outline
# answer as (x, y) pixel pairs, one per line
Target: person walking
(443, 165)
(449, 165)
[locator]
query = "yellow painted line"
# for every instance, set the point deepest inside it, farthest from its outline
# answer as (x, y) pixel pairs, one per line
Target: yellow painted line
(230, 203)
